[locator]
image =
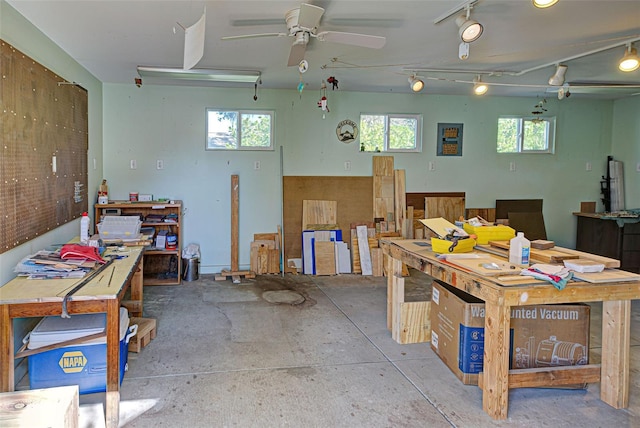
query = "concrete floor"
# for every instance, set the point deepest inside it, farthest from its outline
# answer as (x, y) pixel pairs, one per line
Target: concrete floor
(225, 357)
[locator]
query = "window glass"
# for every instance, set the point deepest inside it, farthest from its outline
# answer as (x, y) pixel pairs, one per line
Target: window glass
(390, 132)
(526, 134)
(239, 130)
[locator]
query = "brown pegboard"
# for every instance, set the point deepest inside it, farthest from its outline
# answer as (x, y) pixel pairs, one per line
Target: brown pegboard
(43, 116)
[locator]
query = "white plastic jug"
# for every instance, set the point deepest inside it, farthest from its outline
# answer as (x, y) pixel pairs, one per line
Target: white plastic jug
(519, 250)
(85, 221)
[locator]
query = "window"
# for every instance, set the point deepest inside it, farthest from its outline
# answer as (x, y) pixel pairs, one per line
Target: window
(526, 134)
(390, 132)
(239, 130)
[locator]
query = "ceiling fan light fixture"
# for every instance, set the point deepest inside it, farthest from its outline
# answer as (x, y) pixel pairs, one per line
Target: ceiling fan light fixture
(479, 87)
(415, 84)
(558, 77)
(469, 30)
(543, 4)
(630, 61)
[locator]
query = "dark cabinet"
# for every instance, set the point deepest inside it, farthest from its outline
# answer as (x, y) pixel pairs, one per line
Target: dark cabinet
(606, 237)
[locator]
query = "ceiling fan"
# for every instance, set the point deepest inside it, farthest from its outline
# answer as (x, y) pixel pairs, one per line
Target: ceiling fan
(302, 25)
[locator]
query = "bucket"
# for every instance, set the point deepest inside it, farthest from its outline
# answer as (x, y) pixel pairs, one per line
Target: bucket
(190, 267)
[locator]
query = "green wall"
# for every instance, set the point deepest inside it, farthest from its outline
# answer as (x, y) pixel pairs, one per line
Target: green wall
(626, 145)
(168, 123)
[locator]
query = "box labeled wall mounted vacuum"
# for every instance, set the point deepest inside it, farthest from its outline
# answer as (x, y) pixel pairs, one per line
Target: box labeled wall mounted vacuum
(83, 364)
(540, 335)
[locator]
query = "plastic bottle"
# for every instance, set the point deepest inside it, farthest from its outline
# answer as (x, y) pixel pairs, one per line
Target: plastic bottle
(84, 227)
(519, 249)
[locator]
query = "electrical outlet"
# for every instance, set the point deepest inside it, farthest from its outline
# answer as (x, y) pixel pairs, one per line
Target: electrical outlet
(133, 164)
(588, 166)
(159, 164)
(347, 166)
(512, 166)
(638, 167)
(256, 165)
(432, 166)
(95, 164)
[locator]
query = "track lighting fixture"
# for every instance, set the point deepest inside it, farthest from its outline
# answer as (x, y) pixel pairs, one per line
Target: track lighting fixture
(630, 60)
(558, 77)
(543, 4)
(415, 84)
(469, 29)
(479, 87)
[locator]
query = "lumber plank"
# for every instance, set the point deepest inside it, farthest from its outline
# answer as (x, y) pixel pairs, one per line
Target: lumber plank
(550, 376)
(400, 200)
(383, 165)
(363, 250)
(235, 200)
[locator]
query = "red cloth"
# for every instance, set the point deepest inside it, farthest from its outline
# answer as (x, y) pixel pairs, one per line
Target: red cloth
(81, 252)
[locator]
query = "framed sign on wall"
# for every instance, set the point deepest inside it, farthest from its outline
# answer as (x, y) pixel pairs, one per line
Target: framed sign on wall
(449, 139)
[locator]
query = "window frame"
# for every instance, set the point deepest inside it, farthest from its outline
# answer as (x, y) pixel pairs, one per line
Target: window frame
(550, 140)
(240, 113)
(388, 117)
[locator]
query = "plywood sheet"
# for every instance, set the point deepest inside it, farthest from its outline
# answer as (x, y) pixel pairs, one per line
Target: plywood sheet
(607, 275)
(505, 206)
(354, 197)
(530, 223)
(449, 208)
(318, 212)
(383, 165)
(325, 257)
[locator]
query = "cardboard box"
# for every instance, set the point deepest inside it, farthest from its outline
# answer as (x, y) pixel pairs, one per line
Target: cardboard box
(541, 335)
(84, 364)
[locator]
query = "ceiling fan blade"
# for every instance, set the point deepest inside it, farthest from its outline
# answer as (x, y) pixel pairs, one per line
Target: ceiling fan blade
(254, 36)
(309, 16)
(297, 54)
(364, 40)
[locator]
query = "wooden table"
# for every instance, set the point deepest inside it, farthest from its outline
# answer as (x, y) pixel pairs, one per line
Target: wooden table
(24, 298)
(496, 379)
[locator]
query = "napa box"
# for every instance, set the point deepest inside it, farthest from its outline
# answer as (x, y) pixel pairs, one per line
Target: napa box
(84, 364)
(540, 335)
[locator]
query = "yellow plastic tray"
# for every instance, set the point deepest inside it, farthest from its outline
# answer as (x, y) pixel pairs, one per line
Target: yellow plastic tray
(442, 246)
(484, 234)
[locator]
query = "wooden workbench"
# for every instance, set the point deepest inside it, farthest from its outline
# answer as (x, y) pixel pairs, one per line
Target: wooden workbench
(24, 298)
(497, 379)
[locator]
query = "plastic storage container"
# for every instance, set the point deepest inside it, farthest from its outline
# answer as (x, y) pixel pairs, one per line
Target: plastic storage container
(119, 227)
(441, 246)
(519, 250)
(484, 234)
(84, 364)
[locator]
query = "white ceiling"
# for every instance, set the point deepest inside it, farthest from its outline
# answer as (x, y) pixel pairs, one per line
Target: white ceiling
(111, 38)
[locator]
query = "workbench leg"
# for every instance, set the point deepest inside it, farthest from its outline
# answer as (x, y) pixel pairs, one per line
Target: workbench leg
(614, 374)
(112, 405)
(495, 388)
(394, 268)
(7, 380)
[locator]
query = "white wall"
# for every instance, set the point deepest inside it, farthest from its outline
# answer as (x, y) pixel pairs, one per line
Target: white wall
(168, 123)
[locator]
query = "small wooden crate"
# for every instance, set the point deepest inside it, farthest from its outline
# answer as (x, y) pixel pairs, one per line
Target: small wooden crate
(146, 332)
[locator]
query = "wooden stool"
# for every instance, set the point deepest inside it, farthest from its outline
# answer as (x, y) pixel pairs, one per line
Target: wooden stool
(146, 332)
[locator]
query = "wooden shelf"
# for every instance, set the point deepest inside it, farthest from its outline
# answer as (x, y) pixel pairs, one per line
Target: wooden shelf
(161, 267)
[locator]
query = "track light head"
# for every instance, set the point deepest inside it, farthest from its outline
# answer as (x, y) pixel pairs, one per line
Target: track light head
(558, 77)
(469, 29)
(415, 84)
(479, 87)
(630, 61)
(543, 4)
